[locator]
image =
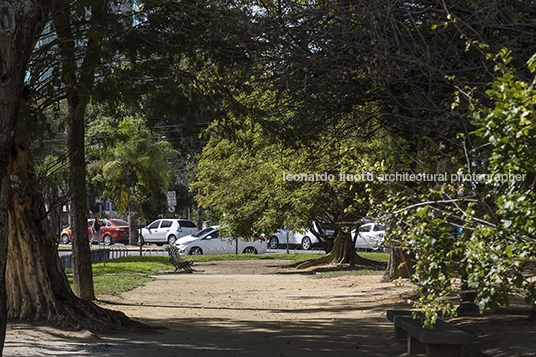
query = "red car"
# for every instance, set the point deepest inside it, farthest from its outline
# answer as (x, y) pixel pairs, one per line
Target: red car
(112, 231)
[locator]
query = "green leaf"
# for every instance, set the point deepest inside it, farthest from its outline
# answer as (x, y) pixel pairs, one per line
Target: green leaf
(508, 251)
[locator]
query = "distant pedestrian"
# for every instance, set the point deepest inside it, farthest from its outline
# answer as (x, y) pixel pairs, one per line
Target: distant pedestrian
(95, 229)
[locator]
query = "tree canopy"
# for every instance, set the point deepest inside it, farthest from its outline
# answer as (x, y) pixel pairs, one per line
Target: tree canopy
(133, 164)
(414, 72)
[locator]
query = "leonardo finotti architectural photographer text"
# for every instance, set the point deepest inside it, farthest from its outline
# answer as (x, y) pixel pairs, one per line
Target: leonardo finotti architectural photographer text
(405, 177)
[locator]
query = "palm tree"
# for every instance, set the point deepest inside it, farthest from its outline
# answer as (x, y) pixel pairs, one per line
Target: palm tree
(133, 166)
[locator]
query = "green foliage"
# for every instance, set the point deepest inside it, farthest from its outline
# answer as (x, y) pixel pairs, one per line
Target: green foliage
(259, 185)
(479, 229)
(132, 163)
(509, 128)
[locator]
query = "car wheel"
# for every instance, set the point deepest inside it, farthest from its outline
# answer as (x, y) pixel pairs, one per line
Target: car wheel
(65, 239)
(274, 243)
(306, 243)
(159, 244)
(171, 240)
(250, 250)
(107, 240)
(196, 251)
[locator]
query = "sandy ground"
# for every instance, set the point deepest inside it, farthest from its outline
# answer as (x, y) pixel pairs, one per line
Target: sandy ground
(261, 308)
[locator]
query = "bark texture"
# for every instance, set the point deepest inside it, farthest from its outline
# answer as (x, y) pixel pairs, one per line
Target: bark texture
(37, 287)
(82, 273)
(19, 21)
(394, 268)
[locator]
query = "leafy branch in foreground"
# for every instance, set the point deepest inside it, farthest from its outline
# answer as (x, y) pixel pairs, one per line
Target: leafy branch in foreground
(475, 234)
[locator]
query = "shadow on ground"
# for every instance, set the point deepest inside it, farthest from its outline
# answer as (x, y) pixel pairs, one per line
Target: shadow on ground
(220, 337)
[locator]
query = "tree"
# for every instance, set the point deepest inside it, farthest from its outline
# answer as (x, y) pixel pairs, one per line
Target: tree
(21, 20)
(477, 225)
(37, 286)
(326, 58)
(33, 266)
(259, 186)
(133, 166)
(408, 61)
(81, 51)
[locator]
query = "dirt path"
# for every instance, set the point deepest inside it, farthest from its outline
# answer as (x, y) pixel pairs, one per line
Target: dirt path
(249, 308)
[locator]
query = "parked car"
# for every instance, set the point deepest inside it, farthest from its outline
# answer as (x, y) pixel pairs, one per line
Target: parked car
(112, 231)
(304, 239)
(369, 236)
(208, 241)
(167, 230)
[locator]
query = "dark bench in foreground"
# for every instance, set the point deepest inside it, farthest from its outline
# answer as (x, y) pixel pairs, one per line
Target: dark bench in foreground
(176, 259)
(443, 340)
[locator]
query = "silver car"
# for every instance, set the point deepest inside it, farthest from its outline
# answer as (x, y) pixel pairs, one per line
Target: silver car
(167, 230)
(369, 236)
(209, 241)
(305, 239)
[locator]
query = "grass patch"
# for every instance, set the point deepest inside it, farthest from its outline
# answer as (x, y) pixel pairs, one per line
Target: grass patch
(117, 284)
(381, 257)
(294, 257)
(150, 265)
(226, 257)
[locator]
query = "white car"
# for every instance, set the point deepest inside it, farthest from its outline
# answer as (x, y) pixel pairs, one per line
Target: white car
(167, 230)
(304, 239)
(369, 236)
(208, 241)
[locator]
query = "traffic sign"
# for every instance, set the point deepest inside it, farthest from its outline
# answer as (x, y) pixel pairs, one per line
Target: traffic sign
(171, 198)
(171, 209)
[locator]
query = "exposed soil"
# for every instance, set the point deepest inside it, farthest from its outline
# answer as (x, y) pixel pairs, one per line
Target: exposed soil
(262, 308)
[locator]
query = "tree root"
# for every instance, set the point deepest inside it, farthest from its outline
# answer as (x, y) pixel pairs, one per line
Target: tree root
(326, 259)
(80, 314)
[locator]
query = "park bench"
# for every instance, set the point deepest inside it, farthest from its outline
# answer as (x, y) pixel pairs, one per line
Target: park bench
(176, 259)
(443, 340)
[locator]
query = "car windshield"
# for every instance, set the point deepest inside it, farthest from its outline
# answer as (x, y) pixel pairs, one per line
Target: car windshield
(203, 232)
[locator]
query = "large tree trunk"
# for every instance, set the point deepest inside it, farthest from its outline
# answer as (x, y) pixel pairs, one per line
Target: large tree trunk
(37, 287)
(20, 19)
(400, 265)
(82, 273)
(78, 91)
(343, 252)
